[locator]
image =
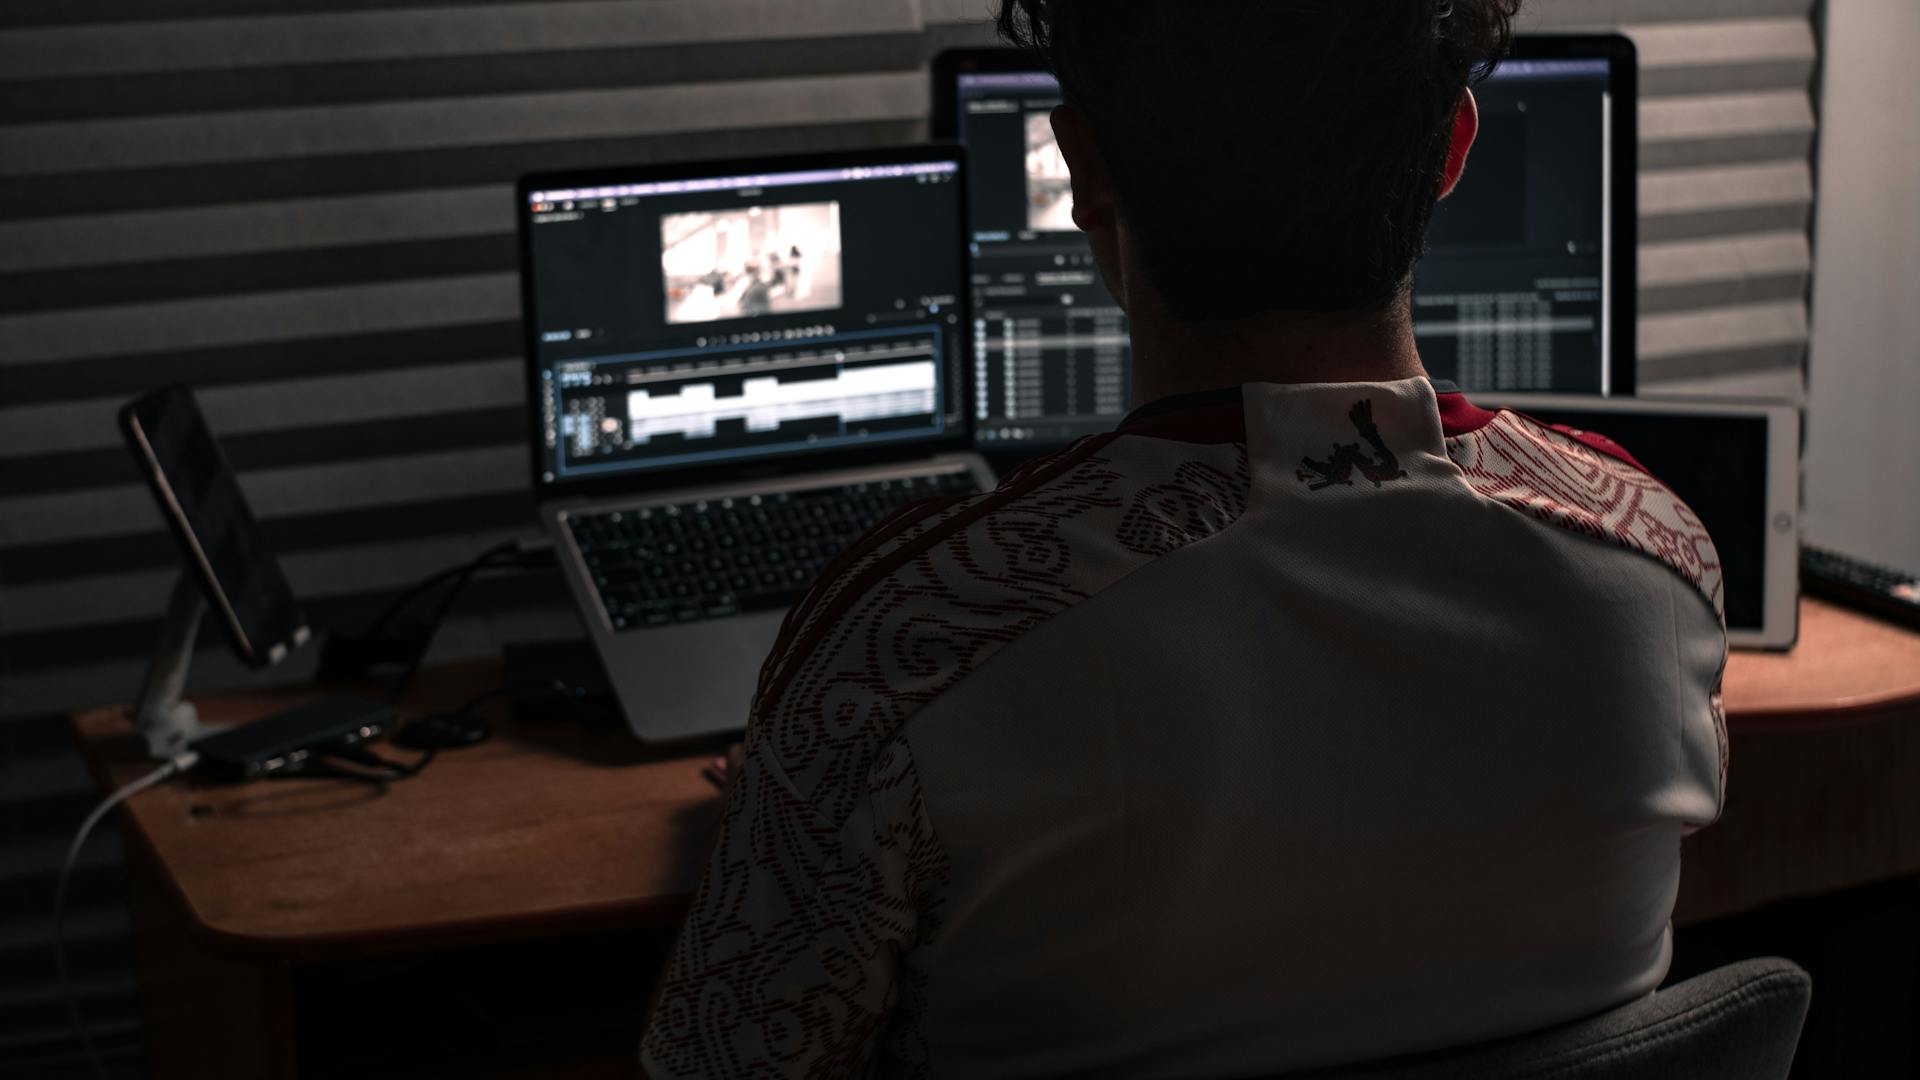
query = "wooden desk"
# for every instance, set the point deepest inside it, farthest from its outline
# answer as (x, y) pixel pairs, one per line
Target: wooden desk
(1823, 782)
(552, 831)
(538, 833)
(533, 831)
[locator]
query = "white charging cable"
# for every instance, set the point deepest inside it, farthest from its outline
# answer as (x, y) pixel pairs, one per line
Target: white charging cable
(178, 764)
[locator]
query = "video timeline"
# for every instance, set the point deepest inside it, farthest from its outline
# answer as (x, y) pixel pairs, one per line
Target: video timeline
(717, 319)
(708, 404)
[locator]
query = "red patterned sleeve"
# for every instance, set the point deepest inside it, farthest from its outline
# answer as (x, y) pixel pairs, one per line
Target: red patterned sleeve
(791, 959)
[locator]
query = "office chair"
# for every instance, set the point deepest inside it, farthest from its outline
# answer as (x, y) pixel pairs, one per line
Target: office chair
(1739, 1022)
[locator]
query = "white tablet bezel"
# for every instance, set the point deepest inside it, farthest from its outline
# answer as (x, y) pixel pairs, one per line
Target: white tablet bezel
(1780, 625)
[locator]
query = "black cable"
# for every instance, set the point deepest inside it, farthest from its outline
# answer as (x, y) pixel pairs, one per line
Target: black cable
(552, 686)
(388, 768)
(459, 584)
(433, 626)
(476, 728)
(315, 768)
(348, 657)
(400, 602)
(322, 763)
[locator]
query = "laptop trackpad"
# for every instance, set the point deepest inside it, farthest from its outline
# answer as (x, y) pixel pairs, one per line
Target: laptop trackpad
(693, 679)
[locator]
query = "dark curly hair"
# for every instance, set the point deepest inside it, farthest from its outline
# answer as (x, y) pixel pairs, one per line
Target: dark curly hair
(1270, 154)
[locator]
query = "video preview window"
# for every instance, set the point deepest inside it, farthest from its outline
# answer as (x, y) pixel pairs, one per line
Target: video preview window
(751, 261)
(1049, 187)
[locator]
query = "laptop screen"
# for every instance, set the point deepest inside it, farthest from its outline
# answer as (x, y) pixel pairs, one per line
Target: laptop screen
(1516, 292)
(730, 317)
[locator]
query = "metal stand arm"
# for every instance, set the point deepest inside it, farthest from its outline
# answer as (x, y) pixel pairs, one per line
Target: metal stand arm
(165, 721)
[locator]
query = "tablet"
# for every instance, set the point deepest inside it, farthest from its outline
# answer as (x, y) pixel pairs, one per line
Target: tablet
(1737, 464)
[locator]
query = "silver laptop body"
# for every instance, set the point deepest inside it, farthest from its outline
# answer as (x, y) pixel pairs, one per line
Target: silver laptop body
(715, 343)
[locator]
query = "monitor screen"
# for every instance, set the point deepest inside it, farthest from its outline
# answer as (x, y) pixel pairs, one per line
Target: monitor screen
(728, 318)
(1515, 292)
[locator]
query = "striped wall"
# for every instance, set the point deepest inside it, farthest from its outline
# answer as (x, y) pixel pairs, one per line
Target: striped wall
(302, 208)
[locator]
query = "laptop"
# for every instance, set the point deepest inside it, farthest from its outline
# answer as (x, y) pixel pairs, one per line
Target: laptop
(734, 370)
(1528, 283)
(1737, 465)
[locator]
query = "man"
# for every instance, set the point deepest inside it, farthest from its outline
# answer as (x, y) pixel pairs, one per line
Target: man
(756, 298)
(1312, 716)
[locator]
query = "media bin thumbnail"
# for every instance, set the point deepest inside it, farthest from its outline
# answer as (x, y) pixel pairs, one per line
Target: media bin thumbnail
(750, 261)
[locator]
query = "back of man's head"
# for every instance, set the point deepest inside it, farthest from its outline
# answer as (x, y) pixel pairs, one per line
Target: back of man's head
(1269, 155)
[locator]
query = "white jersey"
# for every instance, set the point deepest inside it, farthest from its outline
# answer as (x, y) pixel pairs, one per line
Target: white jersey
(1286, 726)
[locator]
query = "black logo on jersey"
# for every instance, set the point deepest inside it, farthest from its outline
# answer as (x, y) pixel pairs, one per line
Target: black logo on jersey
(1338, 469)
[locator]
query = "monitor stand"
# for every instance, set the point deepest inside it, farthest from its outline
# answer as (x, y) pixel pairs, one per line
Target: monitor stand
(166, 722)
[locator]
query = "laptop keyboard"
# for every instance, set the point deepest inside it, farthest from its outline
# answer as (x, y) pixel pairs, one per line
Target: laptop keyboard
(708, 559)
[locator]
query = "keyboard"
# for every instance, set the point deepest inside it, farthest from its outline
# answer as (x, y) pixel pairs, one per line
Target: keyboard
(1876, 590)
(713, 558)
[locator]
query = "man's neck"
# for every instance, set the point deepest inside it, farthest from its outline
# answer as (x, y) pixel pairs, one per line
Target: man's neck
(1172, 357)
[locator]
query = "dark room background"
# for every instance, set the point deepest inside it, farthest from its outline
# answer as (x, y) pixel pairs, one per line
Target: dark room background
(303, 209)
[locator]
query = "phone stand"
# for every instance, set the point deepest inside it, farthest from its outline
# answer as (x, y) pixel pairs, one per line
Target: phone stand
(166, 722)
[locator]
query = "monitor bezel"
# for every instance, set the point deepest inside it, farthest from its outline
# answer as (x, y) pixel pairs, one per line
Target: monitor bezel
(1780, 606)
(1622, 84)
(779, 464)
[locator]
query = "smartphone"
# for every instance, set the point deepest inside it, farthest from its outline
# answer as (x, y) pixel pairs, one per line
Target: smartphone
(207, 513)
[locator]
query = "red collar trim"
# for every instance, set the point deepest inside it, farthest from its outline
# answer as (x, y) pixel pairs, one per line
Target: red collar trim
(1458, 416)
(1593, 440)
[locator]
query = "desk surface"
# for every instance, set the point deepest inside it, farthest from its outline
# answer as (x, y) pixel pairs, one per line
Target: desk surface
(1847, 668)
(552, 830)
(547, 829)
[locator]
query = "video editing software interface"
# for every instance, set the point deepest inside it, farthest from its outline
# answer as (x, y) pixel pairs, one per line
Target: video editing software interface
(728, 318)
(1512, 294)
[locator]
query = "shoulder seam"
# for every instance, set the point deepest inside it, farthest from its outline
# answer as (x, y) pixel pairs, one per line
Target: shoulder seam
(1021, 484)
(896, 523)
(1563, 509)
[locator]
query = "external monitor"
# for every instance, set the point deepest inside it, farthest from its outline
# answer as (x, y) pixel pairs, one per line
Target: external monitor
(762, 315)
(1528, 283)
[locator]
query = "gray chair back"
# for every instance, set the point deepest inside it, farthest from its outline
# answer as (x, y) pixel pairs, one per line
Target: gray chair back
(1739, 1022)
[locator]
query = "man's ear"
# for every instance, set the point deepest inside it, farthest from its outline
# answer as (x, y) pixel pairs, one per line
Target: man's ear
(1092, 184)
(1466, 125)
(1095, 208)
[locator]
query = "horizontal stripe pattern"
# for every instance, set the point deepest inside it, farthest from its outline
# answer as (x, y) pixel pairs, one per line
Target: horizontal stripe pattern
(403, 34)
(347, 305)
(353, 82)
(380, 566)
(112, 674)
(411, 170)
(248, 228)
(262, 362)
(264, 317)
(253, 408)
(213, 138)
(302, 208)
(365, 485)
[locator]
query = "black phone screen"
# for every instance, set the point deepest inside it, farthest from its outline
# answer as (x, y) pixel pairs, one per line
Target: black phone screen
(208, 514)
